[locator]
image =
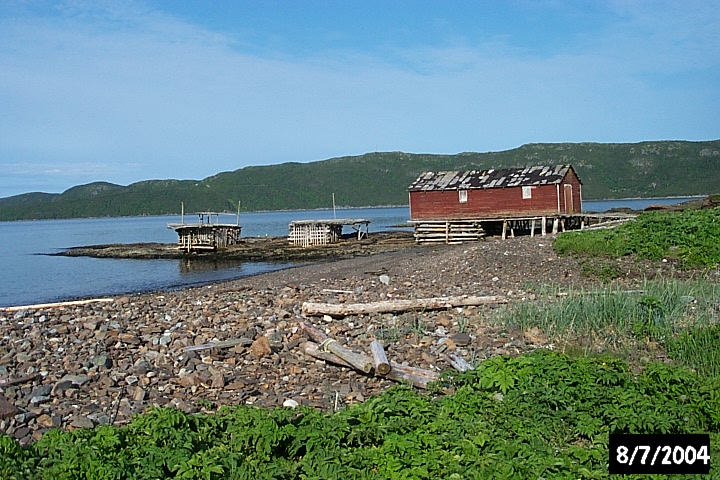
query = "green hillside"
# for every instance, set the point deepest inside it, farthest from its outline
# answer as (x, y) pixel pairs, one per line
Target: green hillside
(647, 169)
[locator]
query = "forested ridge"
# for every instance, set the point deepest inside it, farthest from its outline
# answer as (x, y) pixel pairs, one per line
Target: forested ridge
(607, 170)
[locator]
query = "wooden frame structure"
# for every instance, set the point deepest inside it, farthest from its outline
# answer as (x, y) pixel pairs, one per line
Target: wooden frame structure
(208, 234)
(306, 233)
(466, 230)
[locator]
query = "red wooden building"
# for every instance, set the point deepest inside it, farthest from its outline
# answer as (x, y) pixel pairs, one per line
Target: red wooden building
(505, 193)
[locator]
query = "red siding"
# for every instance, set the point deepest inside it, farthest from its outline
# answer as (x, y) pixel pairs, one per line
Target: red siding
(494, 202)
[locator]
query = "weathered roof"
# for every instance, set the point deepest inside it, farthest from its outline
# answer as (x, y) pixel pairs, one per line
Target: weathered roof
(492, 178)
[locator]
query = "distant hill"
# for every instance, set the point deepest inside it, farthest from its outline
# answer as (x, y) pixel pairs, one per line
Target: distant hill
(621, 170)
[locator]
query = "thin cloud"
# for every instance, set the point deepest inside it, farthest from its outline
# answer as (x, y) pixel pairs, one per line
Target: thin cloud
(93, 90)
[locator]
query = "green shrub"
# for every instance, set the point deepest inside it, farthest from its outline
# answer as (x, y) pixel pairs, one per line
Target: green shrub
(691, 236)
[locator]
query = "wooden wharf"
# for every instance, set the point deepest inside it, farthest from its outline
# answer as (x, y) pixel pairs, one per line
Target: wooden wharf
(454, 231)
(208, 234)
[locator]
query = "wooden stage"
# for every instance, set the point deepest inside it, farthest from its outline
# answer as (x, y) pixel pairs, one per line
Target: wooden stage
(466, 230)
(208, 234)
(322, 232)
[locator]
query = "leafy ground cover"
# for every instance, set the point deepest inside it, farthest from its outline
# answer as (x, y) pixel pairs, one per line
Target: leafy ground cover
(538, 416)
(691, 236)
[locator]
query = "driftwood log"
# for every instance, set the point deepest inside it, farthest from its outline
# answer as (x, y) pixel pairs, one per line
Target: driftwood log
(380, 361)
(458, 363)
(416, 377)
(356, 360)
(18, 381)
(72, 303)
(219, 344)
(337, 310)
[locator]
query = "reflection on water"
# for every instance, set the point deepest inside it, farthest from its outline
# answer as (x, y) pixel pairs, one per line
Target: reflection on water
(194, 265)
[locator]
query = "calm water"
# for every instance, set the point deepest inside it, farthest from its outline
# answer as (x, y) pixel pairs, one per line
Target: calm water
(28, 275)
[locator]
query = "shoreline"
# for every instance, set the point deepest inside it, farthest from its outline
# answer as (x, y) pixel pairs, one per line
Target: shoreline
(102, 363)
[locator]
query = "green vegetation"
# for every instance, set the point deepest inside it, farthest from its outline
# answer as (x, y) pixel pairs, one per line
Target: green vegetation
(681, 316)
(692, 237)
(541, 415)
(648, 169)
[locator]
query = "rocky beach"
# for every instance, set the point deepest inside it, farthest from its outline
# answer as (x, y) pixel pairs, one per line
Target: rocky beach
(240, 342)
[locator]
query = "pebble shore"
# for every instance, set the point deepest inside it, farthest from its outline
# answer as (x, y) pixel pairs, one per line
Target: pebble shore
(103, 363)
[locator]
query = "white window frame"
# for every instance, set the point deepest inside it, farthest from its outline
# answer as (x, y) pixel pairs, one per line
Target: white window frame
(526, 193)
(462, 196)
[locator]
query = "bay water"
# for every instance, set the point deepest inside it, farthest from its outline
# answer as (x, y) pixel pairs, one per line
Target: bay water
(29, 274)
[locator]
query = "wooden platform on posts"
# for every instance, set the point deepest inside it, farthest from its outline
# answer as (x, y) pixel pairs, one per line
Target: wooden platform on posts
(322, 232)
(208, 234)
(468, 230)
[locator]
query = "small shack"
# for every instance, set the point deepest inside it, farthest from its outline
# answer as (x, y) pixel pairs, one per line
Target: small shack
(455, 206)
(208, 234)
(306, 233)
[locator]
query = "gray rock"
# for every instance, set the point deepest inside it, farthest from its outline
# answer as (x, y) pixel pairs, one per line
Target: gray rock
(461, 339)
(78, 380)
(41, 390)
(101, 360)
(39, 399)
(140, 394)
(68, 382)
(99, 418)
(82, 422)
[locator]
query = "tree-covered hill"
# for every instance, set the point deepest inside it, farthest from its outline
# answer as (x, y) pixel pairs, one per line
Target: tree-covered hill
(647, 169)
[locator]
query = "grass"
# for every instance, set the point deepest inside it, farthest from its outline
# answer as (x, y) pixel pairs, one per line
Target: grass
(678, 315)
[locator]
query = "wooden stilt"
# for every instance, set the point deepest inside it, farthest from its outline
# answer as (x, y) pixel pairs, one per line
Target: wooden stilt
(532, 228)
(555, 225)
(543, 227)
(504, 230)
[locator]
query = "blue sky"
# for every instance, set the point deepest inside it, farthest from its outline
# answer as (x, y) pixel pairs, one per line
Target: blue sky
(125, 91)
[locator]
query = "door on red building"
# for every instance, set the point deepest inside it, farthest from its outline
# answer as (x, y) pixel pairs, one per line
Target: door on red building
(569, 205)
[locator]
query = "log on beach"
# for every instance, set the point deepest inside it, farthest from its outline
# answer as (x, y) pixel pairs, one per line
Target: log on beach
(380, 361)
(416, 377)
(388, 306)
(73, 303)
(360, 362)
